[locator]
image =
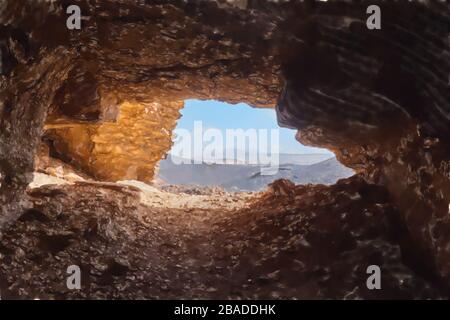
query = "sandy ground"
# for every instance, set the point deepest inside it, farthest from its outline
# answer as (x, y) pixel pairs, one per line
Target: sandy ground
(154, 197)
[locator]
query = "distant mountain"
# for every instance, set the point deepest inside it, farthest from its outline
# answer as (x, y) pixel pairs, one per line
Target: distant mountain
(284, 158)
(242, 177)
(304, 159)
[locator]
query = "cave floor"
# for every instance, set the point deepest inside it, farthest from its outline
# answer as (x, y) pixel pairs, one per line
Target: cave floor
(294, 242)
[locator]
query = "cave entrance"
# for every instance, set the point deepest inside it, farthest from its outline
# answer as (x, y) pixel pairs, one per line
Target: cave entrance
(240, 148)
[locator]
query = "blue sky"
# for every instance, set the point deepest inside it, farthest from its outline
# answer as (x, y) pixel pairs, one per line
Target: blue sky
(222, 116)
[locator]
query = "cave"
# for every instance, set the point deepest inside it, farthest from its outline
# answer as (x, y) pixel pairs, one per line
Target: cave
(94, 108)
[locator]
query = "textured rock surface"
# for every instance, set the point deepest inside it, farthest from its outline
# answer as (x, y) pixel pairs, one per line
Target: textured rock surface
(290, 242)
(25, 97)
(381, 101)
(128, 148)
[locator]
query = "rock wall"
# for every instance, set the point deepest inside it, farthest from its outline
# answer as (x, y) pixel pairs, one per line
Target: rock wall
(25, 97)
(381, 100)
(130, 147)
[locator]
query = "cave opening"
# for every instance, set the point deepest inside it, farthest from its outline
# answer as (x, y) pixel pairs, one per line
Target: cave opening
(241, 148)
(107, 98)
